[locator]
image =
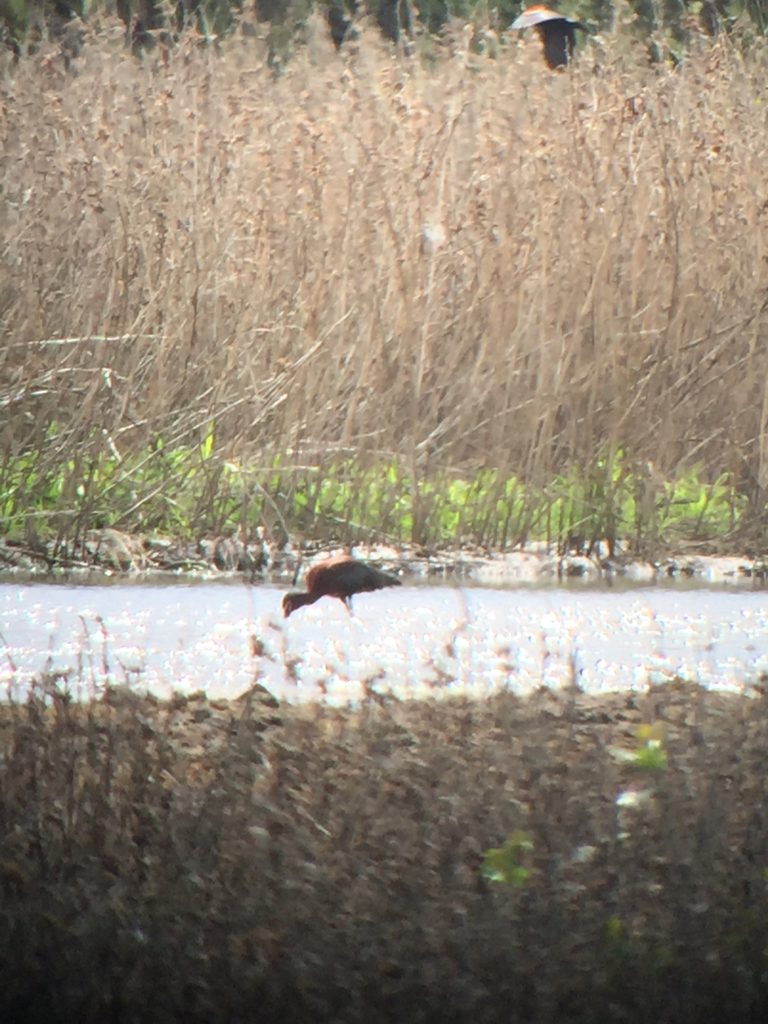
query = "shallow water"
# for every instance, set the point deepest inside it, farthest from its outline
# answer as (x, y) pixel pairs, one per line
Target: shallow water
(415, 640)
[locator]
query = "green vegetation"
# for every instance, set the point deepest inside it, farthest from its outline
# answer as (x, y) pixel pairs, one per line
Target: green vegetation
(505, 864)
(185, 490)
(649, 755)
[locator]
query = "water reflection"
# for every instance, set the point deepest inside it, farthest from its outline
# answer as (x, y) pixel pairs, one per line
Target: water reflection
(416, 640)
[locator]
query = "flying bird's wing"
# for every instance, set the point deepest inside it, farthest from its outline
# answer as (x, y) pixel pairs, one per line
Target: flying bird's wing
(536, 16)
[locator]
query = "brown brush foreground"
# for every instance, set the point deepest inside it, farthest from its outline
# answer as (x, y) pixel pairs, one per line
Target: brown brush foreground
(477, 264)
(440, 266)
(197, 861)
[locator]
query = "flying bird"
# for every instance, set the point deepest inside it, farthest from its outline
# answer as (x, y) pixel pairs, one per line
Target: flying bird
(341, 577)
(557, 32)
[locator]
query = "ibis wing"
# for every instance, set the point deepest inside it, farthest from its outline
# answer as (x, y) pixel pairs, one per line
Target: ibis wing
(536, 16)
(344, 576)
(383, 579)
(358, 578)
(559, 43)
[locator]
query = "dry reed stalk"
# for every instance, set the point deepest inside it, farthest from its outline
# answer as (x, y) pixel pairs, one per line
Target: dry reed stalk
(483, 265)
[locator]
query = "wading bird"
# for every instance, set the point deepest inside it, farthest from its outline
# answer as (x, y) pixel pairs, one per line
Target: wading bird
(556, 32)
(342, 577)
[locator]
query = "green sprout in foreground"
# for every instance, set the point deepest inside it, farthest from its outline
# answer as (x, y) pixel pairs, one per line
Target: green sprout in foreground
(505, 864)
(649, 755)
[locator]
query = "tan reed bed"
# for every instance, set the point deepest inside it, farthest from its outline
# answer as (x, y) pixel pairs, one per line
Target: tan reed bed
(213, 862)
(365, 263)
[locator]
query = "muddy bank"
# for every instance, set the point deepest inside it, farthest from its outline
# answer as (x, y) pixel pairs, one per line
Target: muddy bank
(105, 554)
(206, 861)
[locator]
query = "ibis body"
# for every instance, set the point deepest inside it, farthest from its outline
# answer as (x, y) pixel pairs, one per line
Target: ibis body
(341, 577)
(557, 33)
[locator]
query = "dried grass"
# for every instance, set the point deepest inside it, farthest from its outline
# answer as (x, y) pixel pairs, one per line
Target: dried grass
(194, 861)
(480, 265)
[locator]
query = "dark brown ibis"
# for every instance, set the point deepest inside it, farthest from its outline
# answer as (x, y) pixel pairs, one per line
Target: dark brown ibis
(341, 577)
(557, 32)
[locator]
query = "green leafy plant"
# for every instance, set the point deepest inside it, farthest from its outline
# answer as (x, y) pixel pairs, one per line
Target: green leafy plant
(188, 488)
(649, 755)
(507, 863)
